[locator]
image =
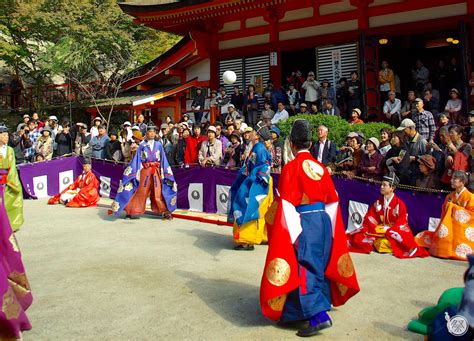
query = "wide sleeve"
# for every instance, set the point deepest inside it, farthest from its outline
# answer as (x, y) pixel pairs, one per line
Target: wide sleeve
(289, 186)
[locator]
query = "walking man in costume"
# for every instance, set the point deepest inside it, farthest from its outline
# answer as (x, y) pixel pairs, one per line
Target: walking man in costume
(308, 267)
(148, 175)
(13, 195)
(385, 226)
(251, 194)
(15, 291)
(84, 192)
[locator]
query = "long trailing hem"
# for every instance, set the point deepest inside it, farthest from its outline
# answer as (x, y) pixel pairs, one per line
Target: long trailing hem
(15, 292)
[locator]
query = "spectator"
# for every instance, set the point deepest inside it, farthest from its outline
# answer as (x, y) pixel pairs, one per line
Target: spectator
(113, 148)
(314, 109)
(33, 135)
(428, 177)
(454, 74)
(223, 101)
(281, 115)
(239, 125)
(296, 79)
(397, 159)
(96, 122)
(229, 130)
(454, 106)
(137, 138)
(457, 154)
(64, 141)
(267, 114)
(141, 124)
(26, 119)
(44, 144)
(232, 152)
(351, 154)
(327, 93)
(127, 128)
(251, 105)
(187, 119)
(277, 150)
(324, 150)
(424, 121)
(303, 109)
(330, 109)
(371, 164)
(342, 97)
(434, 92)
(20, 142)
(431, 103)
(39, 124)
(441, 82)
(211, 116)
(385, 138)
(278, 95)
(38, 157)
(237, 99)
(125, 146)
(311, 86)
(355, 117)
(229, 121)
(293, 99)
(416, 146)
(181, 146)
(219, 136)
(355, 92)
(98, 142)
(198, 104)
(193, 145)
(387, 81)
(420, 76)
(247, 145)
(82, 141)
(55, 128)
(232, 112)
(392, 108)
(409, 106)
(164, 130)
(210, 153)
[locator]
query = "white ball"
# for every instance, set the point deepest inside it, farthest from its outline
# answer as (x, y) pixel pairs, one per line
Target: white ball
(229, 77)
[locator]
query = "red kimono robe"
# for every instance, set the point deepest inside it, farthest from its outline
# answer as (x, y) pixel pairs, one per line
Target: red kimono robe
(386, 224)
(303, 181)
(88, 195)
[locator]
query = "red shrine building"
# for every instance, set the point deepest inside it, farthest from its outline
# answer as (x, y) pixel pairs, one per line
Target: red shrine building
(270, 39)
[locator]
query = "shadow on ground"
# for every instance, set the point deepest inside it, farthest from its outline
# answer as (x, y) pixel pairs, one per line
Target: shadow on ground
(234, 301)
(210, 242)
(394, 330)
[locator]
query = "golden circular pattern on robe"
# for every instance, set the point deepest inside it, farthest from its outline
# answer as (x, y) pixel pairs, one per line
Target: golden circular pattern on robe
(462, 216)
(278, 272)
(115, 206)
(271, 213)
(11, 308)
(345, 268)
(313, 170)
(277, 303)
(129, 186)
(127, 171)
(342, 289)
(469, 232)
(173, 200)
(443, 231)
(19, 283)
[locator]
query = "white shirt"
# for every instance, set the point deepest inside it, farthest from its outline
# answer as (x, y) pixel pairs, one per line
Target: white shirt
(459, 194)
(392, 107)
(280, 116)
(151, 143)
(321, 150)
(3, 150)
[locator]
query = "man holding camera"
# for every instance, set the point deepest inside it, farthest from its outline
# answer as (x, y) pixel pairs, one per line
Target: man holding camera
(311, 86)
(20, 142)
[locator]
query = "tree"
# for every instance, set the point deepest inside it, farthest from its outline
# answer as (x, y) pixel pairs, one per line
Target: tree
(90, 43)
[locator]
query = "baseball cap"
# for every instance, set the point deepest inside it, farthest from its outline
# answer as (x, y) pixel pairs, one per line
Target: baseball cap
(406, 123)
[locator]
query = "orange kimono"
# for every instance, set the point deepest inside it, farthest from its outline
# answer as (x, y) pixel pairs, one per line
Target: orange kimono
(454, 236)
(82, 193)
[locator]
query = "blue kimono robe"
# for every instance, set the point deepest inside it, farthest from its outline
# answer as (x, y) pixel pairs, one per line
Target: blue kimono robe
(131, 177)
(251, 186)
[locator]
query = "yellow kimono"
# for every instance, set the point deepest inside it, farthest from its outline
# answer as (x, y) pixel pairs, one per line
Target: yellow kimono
(454, 236)
(13, 197)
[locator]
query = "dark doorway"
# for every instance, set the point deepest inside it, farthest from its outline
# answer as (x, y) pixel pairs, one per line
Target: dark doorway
(293, 61)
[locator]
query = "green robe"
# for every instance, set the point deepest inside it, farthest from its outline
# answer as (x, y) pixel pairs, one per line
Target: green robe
(13, 197)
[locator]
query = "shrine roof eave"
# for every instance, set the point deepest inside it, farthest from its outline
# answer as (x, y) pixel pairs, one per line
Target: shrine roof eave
(146, 8)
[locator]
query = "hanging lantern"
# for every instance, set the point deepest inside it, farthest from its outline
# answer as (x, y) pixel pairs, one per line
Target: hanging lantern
(383, 41)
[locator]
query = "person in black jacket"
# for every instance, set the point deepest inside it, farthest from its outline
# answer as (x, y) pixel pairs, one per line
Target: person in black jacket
(324, 150)
(198, 104)
(64, 141)
(113, 148)
(20, 141)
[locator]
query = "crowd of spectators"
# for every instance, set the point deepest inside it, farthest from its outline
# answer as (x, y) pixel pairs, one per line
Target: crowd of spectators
(425, 147)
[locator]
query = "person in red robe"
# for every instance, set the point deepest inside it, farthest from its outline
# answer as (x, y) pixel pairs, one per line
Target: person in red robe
(193, 145)
(385, 226)
(308, 267)
(82, 193)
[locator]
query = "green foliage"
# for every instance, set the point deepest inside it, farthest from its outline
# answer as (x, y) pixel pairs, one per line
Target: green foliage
(338, 127)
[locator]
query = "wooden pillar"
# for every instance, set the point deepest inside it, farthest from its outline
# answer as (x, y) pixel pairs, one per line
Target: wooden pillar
(273, 16)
